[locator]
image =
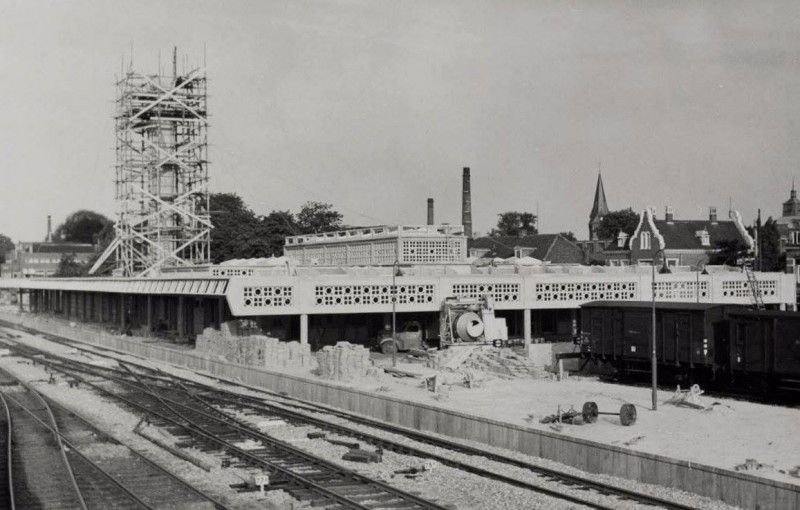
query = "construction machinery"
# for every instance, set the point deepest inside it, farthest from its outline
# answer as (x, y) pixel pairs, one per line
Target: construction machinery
(470, 321)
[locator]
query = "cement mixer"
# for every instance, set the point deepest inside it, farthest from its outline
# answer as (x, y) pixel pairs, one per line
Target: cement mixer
(470, 321)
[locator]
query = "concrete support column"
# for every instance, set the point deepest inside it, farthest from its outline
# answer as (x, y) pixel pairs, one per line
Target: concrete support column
(149, 314)
(121, 312)
(526, 328)
(304, 328)
(181, 318)
(573, 315)
(20, 295)
(102, 307)
(220, 312)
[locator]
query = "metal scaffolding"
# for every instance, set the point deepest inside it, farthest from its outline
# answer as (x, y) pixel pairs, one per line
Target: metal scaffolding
(161, 172)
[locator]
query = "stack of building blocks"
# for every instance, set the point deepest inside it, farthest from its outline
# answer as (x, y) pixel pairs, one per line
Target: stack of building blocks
(345, 362)
(243, 344)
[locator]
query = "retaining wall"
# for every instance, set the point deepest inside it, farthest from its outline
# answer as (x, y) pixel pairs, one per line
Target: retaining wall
(740, 489)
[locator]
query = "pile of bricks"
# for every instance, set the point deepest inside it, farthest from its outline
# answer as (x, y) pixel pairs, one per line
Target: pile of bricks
(346, 362)
(243, 344)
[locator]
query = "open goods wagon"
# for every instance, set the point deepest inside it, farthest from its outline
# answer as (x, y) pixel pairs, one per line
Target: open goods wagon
(728, 345)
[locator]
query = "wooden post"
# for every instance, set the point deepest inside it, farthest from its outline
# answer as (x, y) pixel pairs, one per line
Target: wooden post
(304, 328)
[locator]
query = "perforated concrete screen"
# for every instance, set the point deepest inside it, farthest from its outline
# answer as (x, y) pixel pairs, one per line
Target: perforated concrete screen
(267, 296)
(741, 288)
(333, 295)
(233, 271)
(500, 292)
(680, 291)
(586, 291)
(432, 251)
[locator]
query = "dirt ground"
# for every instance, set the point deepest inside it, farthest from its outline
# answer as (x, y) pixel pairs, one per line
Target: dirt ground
(724, 436)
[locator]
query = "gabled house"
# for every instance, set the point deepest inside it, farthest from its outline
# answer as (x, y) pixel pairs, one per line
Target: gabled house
(677, 242)
(552, 248)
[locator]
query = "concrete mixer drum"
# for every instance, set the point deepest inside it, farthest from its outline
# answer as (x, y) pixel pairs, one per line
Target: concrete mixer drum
(468, 327)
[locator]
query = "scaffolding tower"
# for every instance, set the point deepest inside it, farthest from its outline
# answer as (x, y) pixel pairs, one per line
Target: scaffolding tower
(161, 172)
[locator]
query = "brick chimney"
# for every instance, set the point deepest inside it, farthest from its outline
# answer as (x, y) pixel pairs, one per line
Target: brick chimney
(466, 204)
(430, 211)
(712, 214)
(669, 214)
(49, 237)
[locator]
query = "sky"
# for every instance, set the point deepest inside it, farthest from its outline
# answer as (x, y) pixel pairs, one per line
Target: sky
(374, 106)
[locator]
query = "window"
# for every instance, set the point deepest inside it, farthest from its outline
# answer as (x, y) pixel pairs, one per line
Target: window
(624, 263)
(796, 237)
(612, 262)
(644, 241)
(672, 262)
(645, 262)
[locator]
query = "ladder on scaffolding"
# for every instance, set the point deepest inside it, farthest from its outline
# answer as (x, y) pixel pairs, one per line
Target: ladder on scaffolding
(752, 284)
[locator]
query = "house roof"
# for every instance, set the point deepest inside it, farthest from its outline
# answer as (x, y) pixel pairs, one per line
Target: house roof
(503, 246)
(682, 234)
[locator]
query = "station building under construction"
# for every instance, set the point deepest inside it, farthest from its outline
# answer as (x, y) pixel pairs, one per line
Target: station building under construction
(345, 285)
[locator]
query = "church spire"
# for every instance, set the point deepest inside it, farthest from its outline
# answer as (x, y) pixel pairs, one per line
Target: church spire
(599, 208)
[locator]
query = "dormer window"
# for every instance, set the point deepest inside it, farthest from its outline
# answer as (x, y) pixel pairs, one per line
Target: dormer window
(796, 237)
(521, 252)
(622, 238)
(705, 239)
(644, 241)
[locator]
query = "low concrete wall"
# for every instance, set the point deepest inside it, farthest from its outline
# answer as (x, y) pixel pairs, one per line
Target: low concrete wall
(740, 489)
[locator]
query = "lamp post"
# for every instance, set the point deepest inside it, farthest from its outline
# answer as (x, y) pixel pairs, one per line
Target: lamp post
(395, 268)
(653, 358)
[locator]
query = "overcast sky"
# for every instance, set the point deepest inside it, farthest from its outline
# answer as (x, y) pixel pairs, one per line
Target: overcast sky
(374, 106)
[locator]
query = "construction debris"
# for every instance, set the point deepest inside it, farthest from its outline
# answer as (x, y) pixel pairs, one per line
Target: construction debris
(501, 361)
(346, 362)
(752, 465)
(241, 342)
(363, 456)
(687, 398)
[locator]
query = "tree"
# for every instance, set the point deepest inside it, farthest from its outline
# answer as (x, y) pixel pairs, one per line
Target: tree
(624, 220)
(83, 227)
(236, 232)
(515, 224)
(769, 241)
(69, 267)
(6, 245)
(278, 225)
(569, 236)
(317, 217)
(729, 251)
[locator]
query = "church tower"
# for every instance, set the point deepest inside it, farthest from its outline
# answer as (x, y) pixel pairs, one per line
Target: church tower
(599, 208)
(792, 206)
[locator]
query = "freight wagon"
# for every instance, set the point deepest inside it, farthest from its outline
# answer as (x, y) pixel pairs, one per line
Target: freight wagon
(727, 345)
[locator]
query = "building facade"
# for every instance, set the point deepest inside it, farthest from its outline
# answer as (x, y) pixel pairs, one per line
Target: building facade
(38, 260)
(674, 242)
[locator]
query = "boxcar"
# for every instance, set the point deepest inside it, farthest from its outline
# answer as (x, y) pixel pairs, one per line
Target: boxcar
(729, 345)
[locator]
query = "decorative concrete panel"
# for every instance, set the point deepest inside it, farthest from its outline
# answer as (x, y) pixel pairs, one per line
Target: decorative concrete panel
(267, 296)
(500, 292)
(343, 295)
(584, 291)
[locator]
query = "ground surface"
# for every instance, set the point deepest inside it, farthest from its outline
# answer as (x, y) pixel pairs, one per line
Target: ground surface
(724, 436)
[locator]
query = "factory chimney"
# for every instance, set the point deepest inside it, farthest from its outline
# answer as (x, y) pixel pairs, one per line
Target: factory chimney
(430, 211)
(466, 205)
(49, 238)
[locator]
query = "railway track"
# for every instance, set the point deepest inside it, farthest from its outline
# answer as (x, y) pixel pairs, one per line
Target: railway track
(89, 457)
(203, 402)
(42, 475)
